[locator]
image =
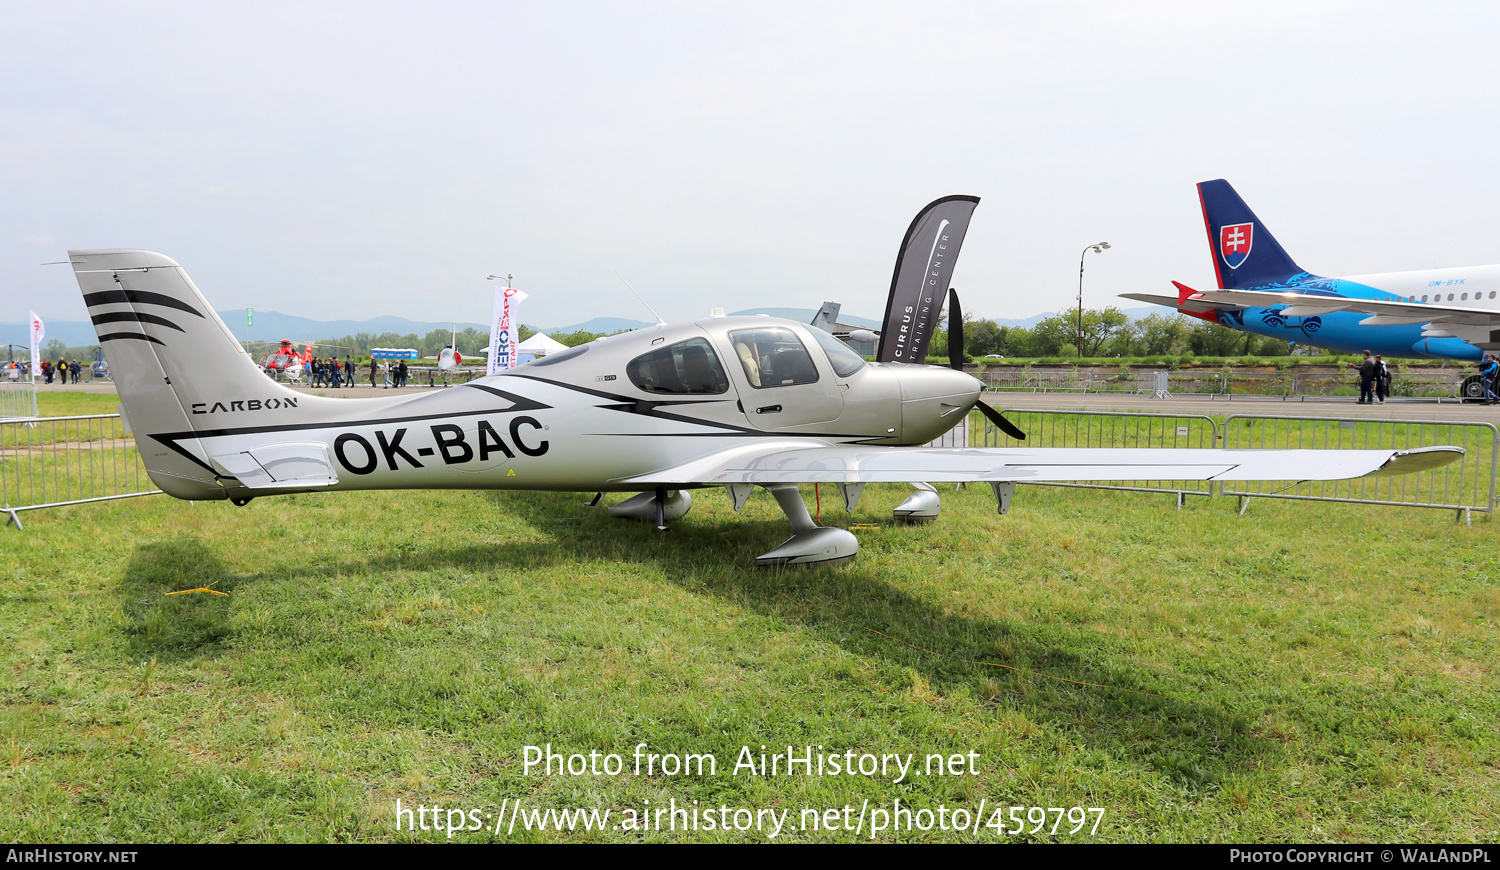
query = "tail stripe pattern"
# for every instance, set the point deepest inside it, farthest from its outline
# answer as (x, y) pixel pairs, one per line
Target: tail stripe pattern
(141, 297)
(132, 317)
(138, 336)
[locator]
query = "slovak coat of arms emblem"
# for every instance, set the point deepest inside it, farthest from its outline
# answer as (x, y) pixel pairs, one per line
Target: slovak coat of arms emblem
(1234, 243)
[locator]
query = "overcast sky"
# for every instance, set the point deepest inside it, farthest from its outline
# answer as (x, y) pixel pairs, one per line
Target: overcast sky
(351, 160)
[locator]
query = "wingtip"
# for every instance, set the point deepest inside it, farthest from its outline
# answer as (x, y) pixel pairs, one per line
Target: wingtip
(1419, 459)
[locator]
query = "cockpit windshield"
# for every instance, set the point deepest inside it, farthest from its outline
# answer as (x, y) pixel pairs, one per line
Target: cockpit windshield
(844, 360)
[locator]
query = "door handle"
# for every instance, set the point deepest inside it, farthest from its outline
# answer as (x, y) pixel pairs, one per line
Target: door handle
(769, 409)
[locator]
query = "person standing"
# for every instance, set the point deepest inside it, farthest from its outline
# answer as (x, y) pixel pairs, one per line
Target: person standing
(62, 369)
(348, 371)
(373, 366)
(1366, 368)
(46, 371)
(1382, 379)
(1489, 375)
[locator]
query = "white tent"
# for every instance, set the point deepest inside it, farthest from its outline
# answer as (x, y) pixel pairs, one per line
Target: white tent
(540, 344)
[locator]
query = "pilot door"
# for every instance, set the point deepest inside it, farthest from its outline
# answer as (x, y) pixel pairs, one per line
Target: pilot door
(781, 385)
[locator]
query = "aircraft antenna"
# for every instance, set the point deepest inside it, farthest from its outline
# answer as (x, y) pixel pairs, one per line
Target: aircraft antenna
(643, 300)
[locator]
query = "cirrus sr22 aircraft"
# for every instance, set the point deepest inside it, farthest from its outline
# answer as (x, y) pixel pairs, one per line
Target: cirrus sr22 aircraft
(737, 402)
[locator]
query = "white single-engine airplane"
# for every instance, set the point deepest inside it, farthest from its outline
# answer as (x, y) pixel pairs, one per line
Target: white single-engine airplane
(738, 402)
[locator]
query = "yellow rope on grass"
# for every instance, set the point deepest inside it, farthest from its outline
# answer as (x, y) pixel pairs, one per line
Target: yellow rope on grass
(200, 589)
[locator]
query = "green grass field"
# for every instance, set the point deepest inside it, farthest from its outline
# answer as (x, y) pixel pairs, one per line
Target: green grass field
(1306, 673)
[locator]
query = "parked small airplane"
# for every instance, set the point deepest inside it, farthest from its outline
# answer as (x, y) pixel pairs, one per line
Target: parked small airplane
(733, 401)
(1427, 314)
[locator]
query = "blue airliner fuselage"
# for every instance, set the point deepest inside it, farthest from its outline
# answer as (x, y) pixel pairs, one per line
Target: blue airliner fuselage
(1424, 314)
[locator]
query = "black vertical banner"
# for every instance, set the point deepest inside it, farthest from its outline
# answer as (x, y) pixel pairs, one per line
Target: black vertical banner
(924, 268)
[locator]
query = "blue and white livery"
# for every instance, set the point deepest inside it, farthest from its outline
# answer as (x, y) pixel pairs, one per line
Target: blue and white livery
(1427, 314)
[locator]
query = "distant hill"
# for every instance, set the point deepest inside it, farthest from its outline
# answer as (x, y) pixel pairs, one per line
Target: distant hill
(805, 315)
(1133, 313)
(274, 326)
(269, 326)
(601, 325)
(615, 324)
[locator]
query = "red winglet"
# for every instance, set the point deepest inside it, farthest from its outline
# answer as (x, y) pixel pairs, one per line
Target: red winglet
(1184, 293)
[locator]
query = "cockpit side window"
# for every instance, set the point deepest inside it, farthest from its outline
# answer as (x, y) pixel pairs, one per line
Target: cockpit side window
(687, 367)
(773, 357)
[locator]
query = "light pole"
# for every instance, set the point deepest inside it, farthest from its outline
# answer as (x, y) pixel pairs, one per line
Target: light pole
(1098, 248)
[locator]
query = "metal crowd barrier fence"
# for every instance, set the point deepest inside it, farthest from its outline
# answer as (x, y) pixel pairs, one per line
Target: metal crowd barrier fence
(17, 401)
(1219, 383)
(56, 461)
(1107, 429)
(1464, 486)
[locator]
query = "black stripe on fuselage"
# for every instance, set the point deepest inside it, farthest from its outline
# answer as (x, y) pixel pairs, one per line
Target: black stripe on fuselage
(143, 297)
(171, 439)
(132, 317)
(130, 336)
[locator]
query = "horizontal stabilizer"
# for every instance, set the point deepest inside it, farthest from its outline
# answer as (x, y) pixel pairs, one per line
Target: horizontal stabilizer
(1191, 306)
(1152, 298)
(279, 466)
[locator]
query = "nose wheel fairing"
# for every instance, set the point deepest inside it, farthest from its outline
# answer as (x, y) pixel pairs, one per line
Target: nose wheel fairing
(653, 507)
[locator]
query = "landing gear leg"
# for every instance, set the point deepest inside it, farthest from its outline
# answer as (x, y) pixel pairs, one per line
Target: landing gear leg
(810, 543)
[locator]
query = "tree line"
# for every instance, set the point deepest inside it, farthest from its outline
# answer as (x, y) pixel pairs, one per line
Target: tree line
(1108, 332)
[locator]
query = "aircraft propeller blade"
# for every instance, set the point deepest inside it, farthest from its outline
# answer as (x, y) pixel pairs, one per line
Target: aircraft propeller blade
(999, 420)
(955, 332)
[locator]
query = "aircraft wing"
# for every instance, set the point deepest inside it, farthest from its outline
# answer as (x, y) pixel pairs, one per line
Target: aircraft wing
(1382, 312)
(805, 463)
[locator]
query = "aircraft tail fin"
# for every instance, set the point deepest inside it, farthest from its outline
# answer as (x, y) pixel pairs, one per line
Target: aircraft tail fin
(1245, 253)
(178, 368)
(827, 316)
